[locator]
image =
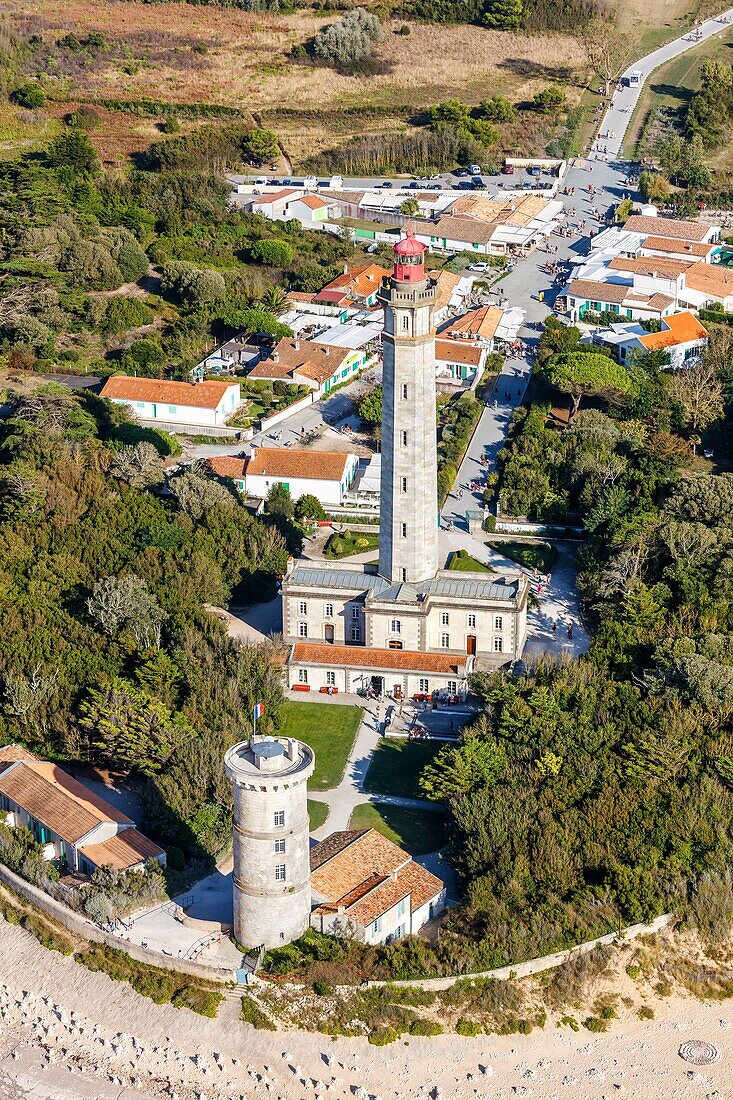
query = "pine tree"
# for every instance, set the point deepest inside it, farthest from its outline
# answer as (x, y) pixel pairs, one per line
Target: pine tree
(504, 15)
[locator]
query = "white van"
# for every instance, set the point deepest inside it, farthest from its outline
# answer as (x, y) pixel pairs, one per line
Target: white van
(310, 182)
(337, 182)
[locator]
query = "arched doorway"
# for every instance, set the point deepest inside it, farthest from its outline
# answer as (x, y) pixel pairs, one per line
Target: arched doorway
(471, 644)
(328, 633)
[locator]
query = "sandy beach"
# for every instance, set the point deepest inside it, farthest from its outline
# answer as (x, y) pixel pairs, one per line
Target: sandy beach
(68, 1033)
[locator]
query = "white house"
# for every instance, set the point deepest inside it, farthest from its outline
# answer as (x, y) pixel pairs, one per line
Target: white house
(201, 404)
(682, 337)
(366, 888)
(76, 828)
(327, 475)
(322, 366)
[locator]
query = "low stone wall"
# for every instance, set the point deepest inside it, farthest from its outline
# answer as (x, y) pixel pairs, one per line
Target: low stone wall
(546, 962)
(75, 922)
(268, 422)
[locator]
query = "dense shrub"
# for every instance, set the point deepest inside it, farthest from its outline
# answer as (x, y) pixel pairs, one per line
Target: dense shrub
(349, 41)
(30, 95)
(273, 253)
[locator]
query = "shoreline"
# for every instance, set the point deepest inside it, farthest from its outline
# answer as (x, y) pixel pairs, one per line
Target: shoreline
(108, 1041)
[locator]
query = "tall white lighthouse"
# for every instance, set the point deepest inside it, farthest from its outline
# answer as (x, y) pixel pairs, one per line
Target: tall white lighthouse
(408, 537)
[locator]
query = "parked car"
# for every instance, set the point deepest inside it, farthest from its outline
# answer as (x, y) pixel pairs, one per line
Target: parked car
(387, 183)
(475, 170)
(479, 267)
(287, 183)
(477, 181)
(508, 169)
(261, 181)
(464, 185)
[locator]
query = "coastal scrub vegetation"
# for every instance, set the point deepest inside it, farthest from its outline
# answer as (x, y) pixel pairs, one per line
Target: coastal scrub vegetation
(107, 654)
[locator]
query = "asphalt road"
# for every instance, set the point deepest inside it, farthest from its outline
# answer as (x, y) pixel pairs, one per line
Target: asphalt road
(618, 116)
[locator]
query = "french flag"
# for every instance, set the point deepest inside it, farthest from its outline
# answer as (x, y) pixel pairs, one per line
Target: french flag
(259, 710)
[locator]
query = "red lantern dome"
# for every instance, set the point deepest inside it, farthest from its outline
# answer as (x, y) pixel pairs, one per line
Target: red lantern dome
(409, 262)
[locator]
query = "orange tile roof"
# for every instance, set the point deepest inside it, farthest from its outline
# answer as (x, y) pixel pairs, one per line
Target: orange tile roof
(620, 293)
(274, 196)
(9, 754)
(317, 361)
(650, 265)
(290, 462)
(202, 395)
(360, 281)
(399, 660)
(227, 465)
(58, 801)
(483, 321)
(665, 244)
(314, 202)
(127, 849)
(680, 328)
(366, 874)
(459, 351)
(666, 227)
(455, 227)
(445, 283)
(710, 279)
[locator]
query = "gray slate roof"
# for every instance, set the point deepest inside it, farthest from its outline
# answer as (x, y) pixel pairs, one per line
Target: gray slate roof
(337, 578)
(465, 587)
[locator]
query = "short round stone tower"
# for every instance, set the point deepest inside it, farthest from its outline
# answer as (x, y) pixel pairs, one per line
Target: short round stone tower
(271, 880)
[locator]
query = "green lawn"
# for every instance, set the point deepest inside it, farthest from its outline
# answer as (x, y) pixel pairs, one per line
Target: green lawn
(396, 766)
(418, 831)
(532, 555)
(464, 563)
(351, 542)
(317, 813)
(330, 730)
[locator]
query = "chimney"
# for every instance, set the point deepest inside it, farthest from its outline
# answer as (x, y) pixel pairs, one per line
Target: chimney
(276, 356)
(327, 350)
(346, 268)
(296, 345)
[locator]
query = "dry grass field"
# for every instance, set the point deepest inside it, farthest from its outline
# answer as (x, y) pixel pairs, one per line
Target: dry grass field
(181, 53)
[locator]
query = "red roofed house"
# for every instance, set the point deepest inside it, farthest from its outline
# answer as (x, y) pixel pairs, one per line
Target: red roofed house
(291, 203)
(682, 337)
(76, 828)
(368, 889)
(204, 404)
(327, 475)
(356, 285)
(308, 363)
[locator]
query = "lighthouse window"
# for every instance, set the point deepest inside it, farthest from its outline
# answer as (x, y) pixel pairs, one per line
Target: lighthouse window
(395, 626)
(472, 620)
(280, 872)
(405, 324)
(444, 618)
(404, 439)
(279, 818)
(329, 610)
(404, 484)
(498, 645)
(280, 847)
(404, 530)
(302, 630)
(445, 641)
(498, 622)
(404, 392)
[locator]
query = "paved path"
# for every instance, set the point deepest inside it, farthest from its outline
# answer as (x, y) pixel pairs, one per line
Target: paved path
(623, 101)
